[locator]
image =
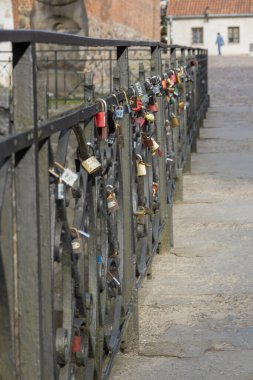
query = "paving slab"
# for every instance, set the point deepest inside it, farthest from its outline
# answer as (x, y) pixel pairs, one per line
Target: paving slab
(196, 314)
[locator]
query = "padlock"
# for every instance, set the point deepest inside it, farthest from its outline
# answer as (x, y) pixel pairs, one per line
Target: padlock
(91, 165)
(164, 84)
(153, 107)
(174, 121)
(136, 105)
(67, 176)
(119, 112)
(149, 117)
(172, 100)
(112, 202)
(167, 127)
(181, 106)
(100, 117)
(178, 78)
(127, 105)
(77, 246)
(60, 191)
(155, 146)
(76, 344)
(156, 149)
(146, 140)
(141, 168)
(155, 188)
(173, 78)
(140, 120)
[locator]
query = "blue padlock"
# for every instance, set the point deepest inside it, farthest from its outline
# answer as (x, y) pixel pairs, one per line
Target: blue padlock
(119, 112)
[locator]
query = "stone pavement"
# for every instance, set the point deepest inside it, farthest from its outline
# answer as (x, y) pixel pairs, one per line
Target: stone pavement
(196, 314)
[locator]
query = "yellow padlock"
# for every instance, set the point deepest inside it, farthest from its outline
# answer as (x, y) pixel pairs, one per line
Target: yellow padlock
(155, 146)
(150, 117)
(141, 168)
(174, 121)
(91, 165)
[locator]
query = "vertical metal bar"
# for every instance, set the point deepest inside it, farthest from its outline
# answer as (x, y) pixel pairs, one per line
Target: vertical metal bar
(55, 80)
(46, 285)
(110, 69)
(29, 239)
(64, 80)
(173, 57)
(7, 282)
(141, 72)
(132, 334)
(165, 209)
(187, 148)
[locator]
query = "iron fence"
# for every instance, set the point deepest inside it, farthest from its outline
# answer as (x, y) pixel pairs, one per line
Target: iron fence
(86, 202)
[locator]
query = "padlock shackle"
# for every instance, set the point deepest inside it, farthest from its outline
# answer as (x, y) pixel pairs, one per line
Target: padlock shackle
(126, 97)
(117, 100)
(102, 103)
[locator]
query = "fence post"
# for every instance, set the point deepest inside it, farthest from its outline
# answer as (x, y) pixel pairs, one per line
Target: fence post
(187, 148)
(7, 258)
(34, 288)
(178, 195)
(165, 209)
(130, 294)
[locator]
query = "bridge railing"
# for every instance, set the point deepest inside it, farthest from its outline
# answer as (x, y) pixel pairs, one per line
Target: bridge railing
(86, 202)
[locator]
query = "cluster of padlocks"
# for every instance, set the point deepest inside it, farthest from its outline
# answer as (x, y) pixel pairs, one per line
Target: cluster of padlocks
(87, 198)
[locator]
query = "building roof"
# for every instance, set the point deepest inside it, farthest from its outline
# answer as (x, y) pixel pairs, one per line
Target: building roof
(212, 7)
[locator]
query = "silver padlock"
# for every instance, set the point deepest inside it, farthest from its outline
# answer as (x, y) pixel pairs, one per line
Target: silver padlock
(119, 112)
(60, 191)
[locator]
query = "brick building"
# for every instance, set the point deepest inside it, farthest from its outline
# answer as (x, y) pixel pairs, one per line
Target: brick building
(108, 18)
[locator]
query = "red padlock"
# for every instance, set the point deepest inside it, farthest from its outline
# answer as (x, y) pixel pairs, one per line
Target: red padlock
(76, 344)
(101, 119)
(137, 105)
(164, 84)
(153, 107)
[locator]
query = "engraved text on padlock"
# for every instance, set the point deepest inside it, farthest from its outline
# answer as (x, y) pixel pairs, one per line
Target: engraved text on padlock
(91, 165)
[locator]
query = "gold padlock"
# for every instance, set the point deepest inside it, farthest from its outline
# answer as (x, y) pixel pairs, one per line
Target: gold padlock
(91, 165)
(154, 148)
(150, 117)
(174, 121)
(141, 168)
(181, 105)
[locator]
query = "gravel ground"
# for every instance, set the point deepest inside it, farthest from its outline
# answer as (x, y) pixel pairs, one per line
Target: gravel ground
(196, 314)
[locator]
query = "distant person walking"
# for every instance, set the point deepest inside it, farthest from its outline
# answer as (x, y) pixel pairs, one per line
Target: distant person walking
(219, 42)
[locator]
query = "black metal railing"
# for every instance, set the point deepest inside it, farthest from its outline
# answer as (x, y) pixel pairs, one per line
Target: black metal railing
(86, 202)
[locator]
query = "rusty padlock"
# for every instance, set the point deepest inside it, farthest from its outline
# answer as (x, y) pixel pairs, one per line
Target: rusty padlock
(146, 140)
(112, 202)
